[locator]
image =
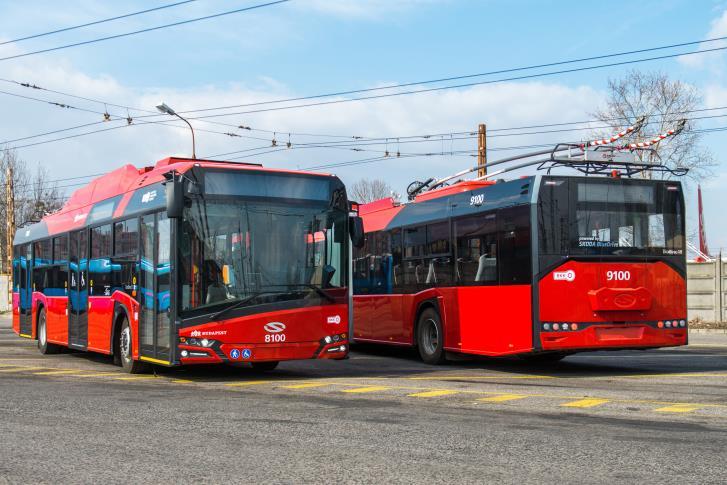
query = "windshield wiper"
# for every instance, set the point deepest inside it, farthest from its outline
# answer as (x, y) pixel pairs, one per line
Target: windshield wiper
(318, 290)
(240, 303)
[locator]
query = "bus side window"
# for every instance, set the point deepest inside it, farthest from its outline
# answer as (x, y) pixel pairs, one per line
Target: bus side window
(126, 252)
(415, 272)
(514, 245)
(396, 275)
(42, 270)
(439, 257)
(60, 263)
(476, 261)
(99, 267)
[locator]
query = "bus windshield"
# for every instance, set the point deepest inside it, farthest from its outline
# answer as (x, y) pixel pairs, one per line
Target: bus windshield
(610, 216)
(231, 249)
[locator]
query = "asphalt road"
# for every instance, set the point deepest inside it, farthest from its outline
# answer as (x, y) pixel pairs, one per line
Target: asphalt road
(381, 416)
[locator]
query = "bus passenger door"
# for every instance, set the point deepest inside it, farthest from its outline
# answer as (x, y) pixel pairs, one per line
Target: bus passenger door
(26, 291)
(154, 289)
(78, 289)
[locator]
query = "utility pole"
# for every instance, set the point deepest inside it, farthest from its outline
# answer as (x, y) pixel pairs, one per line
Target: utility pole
(10, 220)
(482, 150)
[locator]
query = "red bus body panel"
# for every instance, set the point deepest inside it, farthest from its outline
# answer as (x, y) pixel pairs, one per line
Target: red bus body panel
(620, 308)
(484, 320)
(304, 330)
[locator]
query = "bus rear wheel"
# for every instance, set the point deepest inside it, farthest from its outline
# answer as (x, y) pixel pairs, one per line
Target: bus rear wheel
(128, 364)
(430, 337)
(265, 366)
(43, 345)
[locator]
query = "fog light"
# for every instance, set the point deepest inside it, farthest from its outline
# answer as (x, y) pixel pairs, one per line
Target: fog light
(184, 353)
(343, 348)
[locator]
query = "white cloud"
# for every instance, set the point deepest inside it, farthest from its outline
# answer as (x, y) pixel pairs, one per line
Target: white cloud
(711, 60)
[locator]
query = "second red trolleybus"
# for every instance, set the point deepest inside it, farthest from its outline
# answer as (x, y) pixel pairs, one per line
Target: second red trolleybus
(190, 262)
(538, 266)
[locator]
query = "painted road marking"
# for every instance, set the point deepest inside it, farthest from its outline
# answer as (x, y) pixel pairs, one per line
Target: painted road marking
(306, 386)
(679, 408)
(502, 376)
(96, 374)
(438, 393)
(135, 378)
(585, 403)
(21, 369)
(57, 372)
(182, 381)
(247, 383)
(361, 390)
(503, 398)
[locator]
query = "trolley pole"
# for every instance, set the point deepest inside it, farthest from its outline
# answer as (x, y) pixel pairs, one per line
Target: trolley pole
(10, 219)
(482, 150)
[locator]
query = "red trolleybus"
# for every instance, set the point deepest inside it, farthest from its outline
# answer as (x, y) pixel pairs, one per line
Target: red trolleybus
(190, 262)
(540, 266)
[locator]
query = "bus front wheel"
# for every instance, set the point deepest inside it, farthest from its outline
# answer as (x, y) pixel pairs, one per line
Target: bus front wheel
(430, 337)
(43, 345)
(128, 364)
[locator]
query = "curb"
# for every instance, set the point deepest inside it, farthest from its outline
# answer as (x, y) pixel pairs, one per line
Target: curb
(708, 330)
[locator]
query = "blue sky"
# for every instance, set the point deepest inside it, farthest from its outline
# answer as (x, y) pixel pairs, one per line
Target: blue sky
(315, 46)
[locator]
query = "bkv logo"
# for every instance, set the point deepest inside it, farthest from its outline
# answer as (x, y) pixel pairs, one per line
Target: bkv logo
(569, 275)
(274, 327)
(195, 333)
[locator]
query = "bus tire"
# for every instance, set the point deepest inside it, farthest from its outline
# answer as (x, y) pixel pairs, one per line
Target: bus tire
(43, 345)
(128, 364)
(430, 337)
(265, 366)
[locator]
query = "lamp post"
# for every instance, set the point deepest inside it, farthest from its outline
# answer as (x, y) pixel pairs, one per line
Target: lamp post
(162, 107)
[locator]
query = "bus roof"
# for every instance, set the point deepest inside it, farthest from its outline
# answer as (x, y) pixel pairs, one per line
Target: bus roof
(444, 202)
(120, 188)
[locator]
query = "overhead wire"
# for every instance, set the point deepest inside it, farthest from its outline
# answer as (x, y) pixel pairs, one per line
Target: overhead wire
(141, 31)
(466, 76)
(96, 22)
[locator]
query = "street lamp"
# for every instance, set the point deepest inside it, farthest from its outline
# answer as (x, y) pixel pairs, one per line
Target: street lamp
(167, 110)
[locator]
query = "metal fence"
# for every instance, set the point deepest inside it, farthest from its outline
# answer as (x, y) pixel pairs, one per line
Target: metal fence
(706, 290)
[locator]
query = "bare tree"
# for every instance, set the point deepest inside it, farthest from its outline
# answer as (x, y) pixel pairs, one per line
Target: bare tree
(664, 102)
(35, 195)
(369, 190)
